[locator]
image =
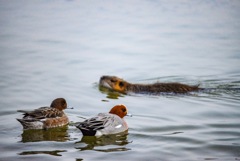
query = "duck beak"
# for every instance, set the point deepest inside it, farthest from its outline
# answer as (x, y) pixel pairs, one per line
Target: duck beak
(129, 115)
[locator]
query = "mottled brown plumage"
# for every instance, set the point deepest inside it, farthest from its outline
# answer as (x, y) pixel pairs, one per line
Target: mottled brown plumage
(45, 117)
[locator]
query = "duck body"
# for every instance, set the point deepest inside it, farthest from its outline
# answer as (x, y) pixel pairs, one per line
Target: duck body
(105, 123)
(122, 86)
(45, 117)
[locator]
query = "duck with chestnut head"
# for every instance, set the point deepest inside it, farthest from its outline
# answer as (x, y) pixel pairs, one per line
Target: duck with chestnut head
(105, 123)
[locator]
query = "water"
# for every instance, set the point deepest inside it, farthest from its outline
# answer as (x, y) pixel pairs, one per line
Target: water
(53, 49)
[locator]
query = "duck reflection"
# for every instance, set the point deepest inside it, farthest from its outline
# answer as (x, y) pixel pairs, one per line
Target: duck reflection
(54, 153)
(106, 141)
(55, 134)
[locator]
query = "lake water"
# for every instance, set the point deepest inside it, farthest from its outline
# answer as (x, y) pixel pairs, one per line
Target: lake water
(53, 49)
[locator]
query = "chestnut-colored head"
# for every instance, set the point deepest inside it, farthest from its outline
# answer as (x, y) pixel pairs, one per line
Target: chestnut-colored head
(119, 110)
(114, 83)
(59, 103)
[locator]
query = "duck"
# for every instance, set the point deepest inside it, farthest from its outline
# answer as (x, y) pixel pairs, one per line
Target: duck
(120, 85)
(45, 117)
(105, 123)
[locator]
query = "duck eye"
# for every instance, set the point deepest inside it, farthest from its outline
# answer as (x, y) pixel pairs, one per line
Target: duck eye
(112, 80)
(123, 109)
(63, 102)
(121, 84)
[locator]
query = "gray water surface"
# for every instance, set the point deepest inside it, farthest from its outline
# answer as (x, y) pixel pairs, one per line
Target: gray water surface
(53, 49)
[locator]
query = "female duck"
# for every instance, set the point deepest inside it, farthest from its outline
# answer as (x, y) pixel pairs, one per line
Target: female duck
(105, 123)
(45, 117)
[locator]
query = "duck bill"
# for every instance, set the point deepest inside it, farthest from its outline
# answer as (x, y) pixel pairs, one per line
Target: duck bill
(129, 115)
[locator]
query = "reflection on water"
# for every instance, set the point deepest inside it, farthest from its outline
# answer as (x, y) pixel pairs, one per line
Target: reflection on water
(53, 134)
(55, 152)
(79, 159)
(110, 93)
(105, 142)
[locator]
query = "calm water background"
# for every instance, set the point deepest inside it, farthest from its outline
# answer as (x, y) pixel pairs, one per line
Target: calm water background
(61, 48)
